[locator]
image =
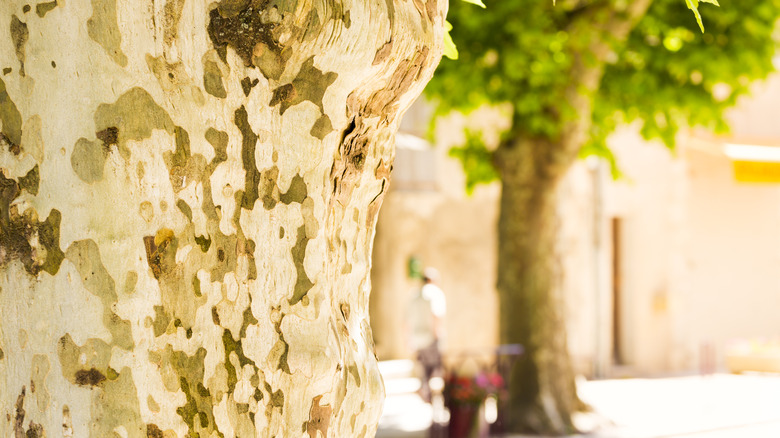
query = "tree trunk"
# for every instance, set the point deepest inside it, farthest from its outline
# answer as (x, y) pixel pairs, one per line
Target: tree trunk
(188, 193)
(543, 394)
(541, 385)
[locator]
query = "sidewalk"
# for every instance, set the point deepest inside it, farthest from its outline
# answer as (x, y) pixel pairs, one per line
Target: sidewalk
(716, 406)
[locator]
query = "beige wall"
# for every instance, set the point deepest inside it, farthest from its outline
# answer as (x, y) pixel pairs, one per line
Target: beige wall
(457, 238)
(735, 254)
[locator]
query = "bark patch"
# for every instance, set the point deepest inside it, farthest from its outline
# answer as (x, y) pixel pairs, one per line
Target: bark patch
(31, 181)
(321, 127)
(302, 283)
(19, 414)
(114, 401)
(85, 255)
(187, 375)
(44, 8)
(67, 422)
(19, 232)
(19, 36)
(153, 431)
(133, 116)
(247, 84)
(103, 29)
(219, 141)
(383, 53)
(319, 418)
(96, 351)
(234, 347)
(35, 430)
(239, 25)
(161, 321)
(270, 61)
(11, 133)
(90, 377)
(212, 80)
(297, 191)
(174, 79)
(115, 404)
(185, 209)
(248, 145)
(156, 254)
(109, 137)
(346, 169)
(408, 71)
(310, 84)
(173, 9)
(88, 159)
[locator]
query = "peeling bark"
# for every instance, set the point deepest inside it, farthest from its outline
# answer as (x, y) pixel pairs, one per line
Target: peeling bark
(187, 207)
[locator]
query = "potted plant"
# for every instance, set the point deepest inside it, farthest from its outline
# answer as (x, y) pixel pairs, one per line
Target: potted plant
(464, 396)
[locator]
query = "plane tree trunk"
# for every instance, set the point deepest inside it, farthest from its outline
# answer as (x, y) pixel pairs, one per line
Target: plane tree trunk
(188, 194)
(542, 390)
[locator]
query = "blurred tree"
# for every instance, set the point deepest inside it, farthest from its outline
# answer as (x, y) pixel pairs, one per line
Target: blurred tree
(572, 72)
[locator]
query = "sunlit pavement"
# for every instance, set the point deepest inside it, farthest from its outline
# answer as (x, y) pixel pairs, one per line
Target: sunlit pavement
(715, 406)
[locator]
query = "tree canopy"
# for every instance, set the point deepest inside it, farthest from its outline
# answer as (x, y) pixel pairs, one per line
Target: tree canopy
(663, 75)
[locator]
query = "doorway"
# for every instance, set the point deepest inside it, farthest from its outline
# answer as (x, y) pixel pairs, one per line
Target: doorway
(616, 226)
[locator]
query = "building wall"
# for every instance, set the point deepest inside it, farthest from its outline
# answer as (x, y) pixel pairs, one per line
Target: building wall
(457, 238)
(734, 250)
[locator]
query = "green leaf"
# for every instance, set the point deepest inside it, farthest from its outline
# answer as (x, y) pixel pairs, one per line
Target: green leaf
(476, 2)
(694, 6)
(450, 51)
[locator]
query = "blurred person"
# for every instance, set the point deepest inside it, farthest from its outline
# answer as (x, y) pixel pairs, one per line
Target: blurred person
(425, 322)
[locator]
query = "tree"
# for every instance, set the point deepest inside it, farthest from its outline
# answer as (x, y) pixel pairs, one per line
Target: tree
(571, 73)
(188, 194)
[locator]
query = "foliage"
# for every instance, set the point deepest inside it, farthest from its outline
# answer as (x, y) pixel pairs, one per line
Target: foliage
(667, 74)
(475, 156)
(663, 77)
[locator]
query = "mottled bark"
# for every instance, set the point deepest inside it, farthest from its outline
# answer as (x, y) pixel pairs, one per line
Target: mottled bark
(188, 193)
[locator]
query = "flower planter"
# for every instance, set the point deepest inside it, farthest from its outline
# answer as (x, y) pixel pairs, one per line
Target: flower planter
(464, 421)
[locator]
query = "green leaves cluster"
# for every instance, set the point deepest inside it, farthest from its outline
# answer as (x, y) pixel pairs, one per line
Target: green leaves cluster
(669, 75)
(663, 76)
(477, 159)
(504, 50)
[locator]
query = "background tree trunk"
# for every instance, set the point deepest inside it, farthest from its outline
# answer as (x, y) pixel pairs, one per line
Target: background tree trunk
(543, 395)
(188, 193)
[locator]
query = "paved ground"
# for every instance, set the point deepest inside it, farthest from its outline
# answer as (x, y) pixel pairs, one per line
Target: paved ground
(716, 406)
